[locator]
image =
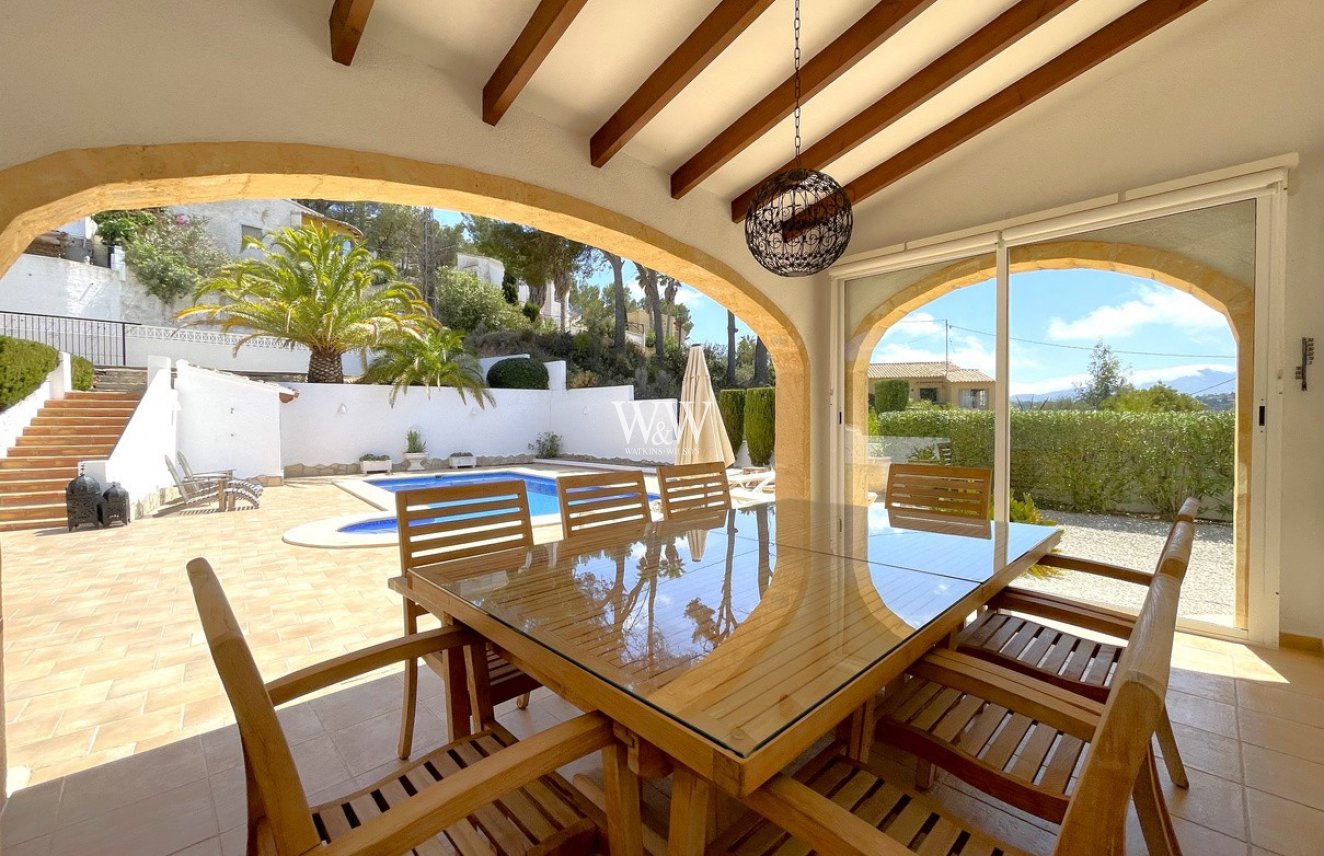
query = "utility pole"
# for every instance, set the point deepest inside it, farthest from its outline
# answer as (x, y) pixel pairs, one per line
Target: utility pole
(946, 347)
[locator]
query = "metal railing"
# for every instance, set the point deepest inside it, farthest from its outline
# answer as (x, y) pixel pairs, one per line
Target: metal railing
(100, 341)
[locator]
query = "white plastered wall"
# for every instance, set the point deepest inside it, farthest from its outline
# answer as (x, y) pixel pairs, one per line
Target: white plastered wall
(1229, 84)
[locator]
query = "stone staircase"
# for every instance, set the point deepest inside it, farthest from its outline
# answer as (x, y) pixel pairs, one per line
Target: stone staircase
(80, 427)
(120, 380)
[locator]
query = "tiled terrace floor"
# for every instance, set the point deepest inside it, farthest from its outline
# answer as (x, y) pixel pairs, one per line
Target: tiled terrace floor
(104, 661)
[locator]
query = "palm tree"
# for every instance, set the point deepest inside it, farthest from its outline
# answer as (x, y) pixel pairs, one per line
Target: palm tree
(617, 297)
(313, 287)
(436, 359)
(648, 281)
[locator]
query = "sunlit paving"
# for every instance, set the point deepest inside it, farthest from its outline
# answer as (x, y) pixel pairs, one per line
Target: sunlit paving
(724, 427)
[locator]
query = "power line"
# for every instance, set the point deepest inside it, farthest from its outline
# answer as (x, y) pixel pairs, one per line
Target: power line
(1067, 347)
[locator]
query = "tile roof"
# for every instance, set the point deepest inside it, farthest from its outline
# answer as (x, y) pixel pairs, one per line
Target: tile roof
(918, 371)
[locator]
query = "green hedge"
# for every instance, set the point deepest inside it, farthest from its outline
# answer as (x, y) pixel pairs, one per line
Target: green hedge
(83, 374)
(1092, 461)
(23, 366)
(731, 404)
(760, 424)
(890, 396)
(517, 373)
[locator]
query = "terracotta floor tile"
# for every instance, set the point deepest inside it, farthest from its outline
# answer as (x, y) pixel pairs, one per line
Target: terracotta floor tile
(1283, 735)
(139, 727)
(1282, 826)
(1277, 700)
(1285, 776)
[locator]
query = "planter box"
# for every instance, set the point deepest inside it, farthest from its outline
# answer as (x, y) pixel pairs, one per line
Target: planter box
(459, 461)
(415, 460)
(369, 467)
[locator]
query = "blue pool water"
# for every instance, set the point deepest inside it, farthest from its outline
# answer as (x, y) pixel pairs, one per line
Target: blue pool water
(542, 495)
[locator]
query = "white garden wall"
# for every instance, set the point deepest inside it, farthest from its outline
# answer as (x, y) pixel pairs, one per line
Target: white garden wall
(51, 286)
(138, 459)
(335, 424)
(228, 422)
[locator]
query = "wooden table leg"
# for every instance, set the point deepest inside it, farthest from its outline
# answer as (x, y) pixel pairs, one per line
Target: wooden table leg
(410, 702)
(459, 711)
(625, 825)
(859, 734)
(688, 834)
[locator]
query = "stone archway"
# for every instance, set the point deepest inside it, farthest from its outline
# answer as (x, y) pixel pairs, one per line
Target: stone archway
(1233, 298)
(63, 186)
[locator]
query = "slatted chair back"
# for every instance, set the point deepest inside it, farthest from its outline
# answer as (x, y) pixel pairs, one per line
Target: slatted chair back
(441, 524)
(278, 812)
(956, 491)
(602, 501)
(1120, 763)
(693, 490)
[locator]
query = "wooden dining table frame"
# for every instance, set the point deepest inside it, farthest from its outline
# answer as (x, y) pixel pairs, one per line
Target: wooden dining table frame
(653, 741)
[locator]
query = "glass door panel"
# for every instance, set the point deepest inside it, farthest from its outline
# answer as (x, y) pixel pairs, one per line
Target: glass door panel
(1131, 388)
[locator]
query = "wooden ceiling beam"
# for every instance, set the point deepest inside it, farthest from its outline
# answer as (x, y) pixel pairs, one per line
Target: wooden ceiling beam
(859, 40)
(348, 18)
(983, 45)
(545, 27)
(714, 34)
(1143, 20)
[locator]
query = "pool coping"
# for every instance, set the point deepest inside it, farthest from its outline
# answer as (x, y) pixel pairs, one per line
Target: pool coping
(325, 533)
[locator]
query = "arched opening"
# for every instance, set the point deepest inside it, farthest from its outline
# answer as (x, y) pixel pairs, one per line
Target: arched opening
(61, 187)
(1231, 297)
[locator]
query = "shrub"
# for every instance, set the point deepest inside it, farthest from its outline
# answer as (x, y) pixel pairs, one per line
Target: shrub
(173, 256)
(23, 366)
(83, 374)
(517, 373)
(530, 311)
(731, 404)
(414, 442)
(462, 301)
(369, 456)
(547, 445)
(1091, 461)
(890, 396)
(760, 424)
(583, 380)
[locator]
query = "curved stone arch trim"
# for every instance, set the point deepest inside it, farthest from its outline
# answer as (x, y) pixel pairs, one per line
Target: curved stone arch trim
(66, 185)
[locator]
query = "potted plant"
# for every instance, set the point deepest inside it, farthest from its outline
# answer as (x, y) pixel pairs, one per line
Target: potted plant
(371, 463)
(463, 459)
(416, 450)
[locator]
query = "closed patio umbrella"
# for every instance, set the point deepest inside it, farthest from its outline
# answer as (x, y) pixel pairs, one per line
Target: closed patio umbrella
(702, 436)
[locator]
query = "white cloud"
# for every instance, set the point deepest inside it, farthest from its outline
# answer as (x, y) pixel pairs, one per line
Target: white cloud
(1153, 306)
(916, 325)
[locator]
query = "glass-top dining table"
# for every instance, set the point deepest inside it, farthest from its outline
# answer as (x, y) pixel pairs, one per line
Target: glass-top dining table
(731, 643)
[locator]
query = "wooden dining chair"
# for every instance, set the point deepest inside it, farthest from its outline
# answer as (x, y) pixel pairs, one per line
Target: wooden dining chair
(484, 794)
(954, 491)
(448, 524)
(693, 490)
(595, 502)
(838, 805)
(1003, 634)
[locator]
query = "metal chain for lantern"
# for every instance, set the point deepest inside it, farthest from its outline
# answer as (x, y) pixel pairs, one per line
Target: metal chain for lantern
(800, 220)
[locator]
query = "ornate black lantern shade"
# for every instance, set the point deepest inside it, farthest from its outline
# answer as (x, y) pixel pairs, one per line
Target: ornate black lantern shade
(82, 497)
(799, 223)
(115, 505)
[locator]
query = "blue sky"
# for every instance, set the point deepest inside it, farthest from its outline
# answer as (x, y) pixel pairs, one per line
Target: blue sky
(1160, 333)
(709, 317)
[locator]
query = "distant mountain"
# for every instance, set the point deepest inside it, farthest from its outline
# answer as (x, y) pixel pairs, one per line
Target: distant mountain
(1207, 383)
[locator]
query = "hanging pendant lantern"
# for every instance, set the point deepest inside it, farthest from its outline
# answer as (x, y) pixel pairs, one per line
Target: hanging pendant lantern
(800, 220)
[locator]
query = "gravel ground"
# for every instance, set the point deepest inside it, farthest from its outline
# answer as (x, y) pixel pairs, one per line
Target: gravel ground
(1207, 594)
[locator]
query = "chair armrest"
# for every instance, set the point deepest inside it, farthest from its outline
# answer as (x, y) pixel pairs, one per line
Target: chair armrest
(462, 793)
(356, 663)
(1057, 708)
(1102, 569)
(819, 822)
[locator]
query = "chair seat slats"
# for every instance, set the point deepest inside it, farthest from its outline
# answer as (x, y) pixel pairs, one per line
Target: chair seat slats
(903, 814)
(544, 812)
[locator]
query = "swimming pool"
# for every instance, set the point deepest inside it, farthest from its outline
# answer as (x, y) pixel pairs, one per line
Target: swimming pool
(541, 489)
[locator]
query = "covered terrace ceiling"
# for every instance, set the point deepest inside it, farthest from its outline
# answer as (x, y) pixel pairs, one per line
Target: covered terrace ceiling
(701, 88)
